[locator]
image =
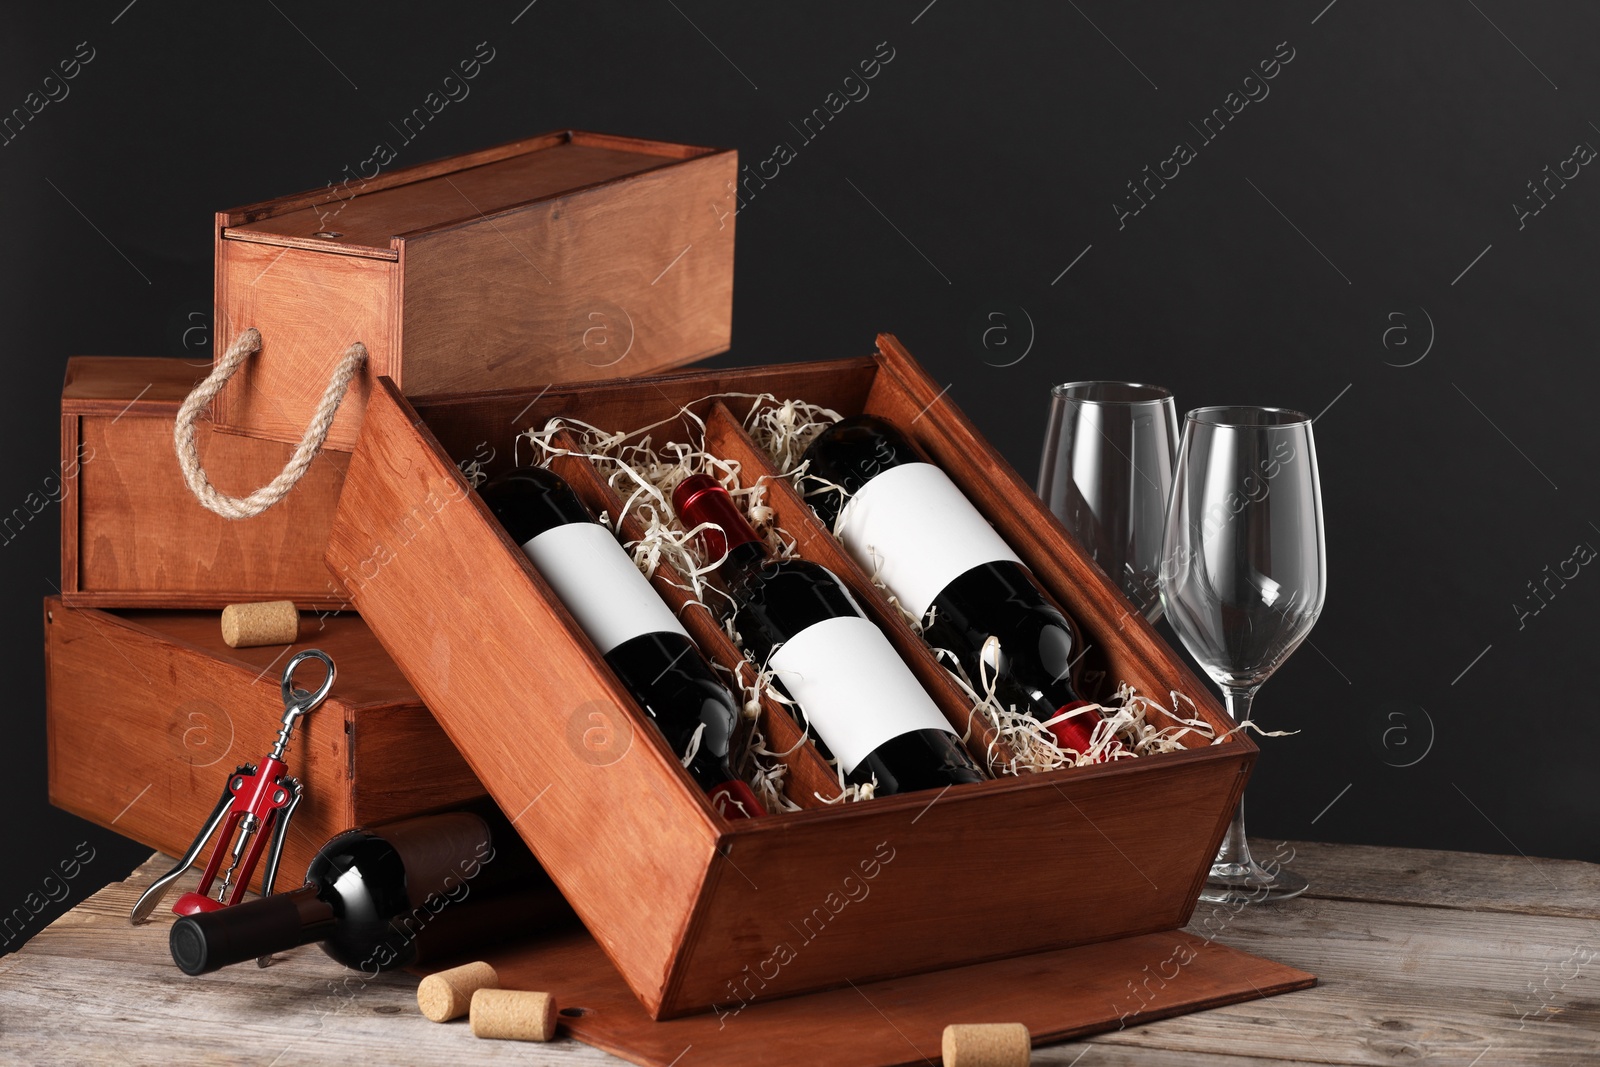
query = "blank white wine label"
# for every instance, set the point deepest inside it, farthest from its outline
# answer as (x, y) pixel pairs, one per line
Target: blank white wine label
(854, 688)
(917, 531)
(599, 584)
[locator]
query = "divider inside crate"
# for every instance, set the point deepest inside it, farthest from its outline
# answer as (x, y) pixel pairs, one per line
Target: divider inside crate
(883, 387)
(482, 425)
(810, 782)
(904, 395)
(727, 439)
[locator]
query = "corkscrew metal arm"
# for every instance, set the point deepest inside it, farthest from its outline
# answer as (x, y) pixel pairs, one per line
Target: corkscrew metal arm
(280, 834)
(152, 896)
(256, 804)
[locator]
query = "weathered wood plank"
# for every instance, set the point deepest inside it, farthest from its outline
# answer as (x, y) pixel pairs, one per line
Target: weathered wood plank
(1368, 1024)
(1095, 1053)
(1426, 975)
(1399, 982)
(91, 988)
(1444, 949)
(85, 1011)
(1438, 879)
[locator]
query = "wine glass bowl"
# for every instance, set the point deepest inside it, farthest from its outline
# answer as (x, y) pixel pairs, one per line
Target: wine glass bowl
(1244, 576)
(1106, 473)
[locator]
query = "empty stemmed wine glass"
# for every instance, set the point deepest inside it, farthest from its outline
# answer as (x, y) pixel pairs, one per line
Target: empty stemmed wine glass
(1243, 578)
(1106, 473)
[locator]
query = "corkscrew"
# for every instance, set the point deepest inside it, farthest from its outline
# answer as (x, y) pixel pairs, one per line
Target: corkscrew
(257, 800)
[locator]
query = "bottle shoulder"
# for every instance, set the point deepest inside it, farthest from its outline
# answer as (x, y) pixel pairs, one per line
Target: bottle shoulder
(530, 500)
(773, 580)
(1002, 587)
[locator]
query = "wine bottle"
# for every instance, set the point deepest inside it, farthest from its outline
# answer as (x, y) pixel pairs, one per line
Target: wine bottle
(396, 895)
(908, 523)
(637, 634)
(799, 620)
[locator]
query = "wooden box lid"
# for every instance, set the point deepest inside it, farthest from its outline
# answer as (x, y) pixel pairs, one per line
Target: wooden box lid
(693, 909)
(567, 256)
(1059, 995)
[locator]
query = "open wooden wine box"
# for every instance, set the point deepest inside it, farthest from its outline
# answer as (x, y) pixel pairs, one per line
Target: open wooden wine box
(1035, 897)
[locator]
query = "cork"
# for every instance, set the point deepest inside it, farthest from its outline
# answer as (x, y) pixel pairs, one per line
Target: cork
(986, 1045)
(513, 1015)
(447, 995)
(271, 622)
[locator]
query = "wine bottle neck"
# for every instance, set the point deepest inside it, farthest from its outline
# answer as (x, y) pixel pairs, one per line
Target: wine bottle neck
(848, 455)
(529, 501)
(744, 558)
(734, 799)
(208, 940)
(1076, 732)
(701, 501)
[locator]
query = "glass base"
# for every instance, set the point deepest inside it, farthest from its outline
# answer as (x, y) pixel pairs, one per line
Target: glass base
(1250, 883)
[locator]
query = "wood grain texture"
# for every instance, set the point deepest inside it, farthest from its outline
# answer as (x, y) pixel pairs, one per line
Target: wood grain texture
(890, 887)
(1401, 984)
(511, 678)
(388, 179)
(611, 280)
(127, 385)
(453, 191)
(1401, 981)
(1146, 828)
(895, 1022)
(71, 500)
(317, 1012)
(563, 257)
(132, 533)
(1515, 884)
(163, 685)
(93, 989)
(309, 306)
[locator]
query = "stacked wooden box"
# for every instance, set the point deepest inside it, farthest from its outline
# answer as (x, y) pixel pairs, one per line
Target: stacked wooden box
(565, 259)
(538, 261)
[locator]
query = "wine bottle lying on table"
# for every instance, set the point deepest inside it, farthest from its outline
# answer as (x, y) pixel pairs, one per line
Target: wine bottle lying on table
(855, 693)
(905, 521)
(638, 635)
(404, 893)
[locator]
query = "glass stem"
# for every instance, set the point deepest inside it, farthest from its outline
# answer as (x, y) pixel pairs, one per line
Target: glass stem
(1235, 849)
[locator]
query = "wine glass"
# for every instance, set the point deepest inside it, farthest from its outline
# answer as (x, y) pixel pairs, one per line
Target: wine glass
(1243, 578)
(1107, 472)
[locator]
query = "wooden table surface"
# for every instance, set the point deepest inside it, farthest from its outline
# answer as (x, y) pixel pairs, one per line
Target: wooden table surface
(1424, 958)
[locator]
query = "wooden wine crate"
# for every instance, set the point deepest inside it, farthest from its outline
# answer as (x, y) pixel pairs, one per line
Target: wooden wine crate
(149, 711)
(132, 535)
(697, 912)
(567, 256)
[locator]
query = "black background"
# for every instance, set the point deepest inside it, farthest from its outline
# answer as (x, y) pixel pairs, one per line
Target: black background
(986, 160)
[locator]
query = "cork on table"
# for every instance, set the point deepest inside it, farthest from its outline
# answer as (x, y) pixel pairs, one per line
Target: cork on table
(1423, 957)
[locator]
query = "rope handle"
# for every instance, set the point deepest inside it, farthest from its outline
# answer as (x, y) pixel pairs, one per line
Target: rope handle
(233, 507)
